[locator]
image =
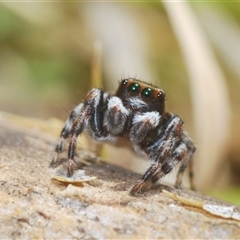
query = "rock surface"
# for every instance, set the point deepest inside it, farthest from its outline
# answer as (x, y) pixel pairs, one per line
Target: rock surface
(33, 205)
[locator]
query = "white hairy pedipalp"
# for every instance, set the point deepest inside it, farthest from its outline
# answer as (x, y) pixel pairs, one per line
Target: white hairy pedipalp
(152, 117)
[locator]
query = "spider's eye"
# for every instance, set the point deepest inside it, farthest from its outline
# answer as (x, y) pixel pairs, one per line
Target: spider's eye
(134, 88)
(147, 93)
(124, 82)
(160, 96)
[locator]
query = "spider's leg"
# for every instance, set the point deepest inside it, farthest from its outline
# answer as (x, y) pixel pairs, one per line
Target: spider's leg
(145, 180)
(76, 130)
(178, 154)
(191, 174)
(90, 115)
(142, 124)
(164, 166)
(172, 129)
(117, 116)
(65, 133)
(165, 151)
(187, 162)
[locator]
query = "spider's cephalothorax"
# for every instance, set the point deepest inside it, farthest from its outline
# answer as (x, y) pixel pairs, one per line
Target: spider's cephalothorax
(136, 114)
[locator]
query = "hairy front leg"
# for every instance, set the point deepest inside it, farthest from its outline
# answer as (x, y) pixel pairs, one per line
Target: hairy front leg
(145, 181)
(65, 134)
(85, 114)
(90, 116)
(166, 150)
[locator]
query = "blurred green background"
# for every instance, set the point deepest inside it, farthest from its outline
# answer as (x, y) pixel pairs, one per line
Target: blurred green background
(47, 51)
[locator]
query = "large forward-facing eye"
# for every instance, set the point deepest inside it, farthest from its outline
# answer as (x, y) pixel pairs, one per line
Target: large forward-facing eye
(134, 88)
(147, 93)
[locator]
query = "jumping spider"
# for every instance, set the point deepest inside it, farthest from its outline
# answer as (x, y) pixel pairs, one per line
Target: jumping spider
(135, 114)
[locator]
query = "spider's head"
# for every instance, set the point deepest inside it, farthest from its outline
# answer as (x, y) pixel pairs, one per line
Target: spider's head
(141, 96)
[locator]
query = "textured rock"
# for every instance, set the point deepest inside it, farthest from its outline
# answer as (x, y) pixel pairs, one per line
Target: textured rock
(33, 205)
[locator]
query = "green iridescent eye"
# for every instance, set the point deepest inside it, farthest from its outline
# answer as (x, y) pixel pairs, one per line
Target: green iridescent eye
(134, 88)
(147, 93)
